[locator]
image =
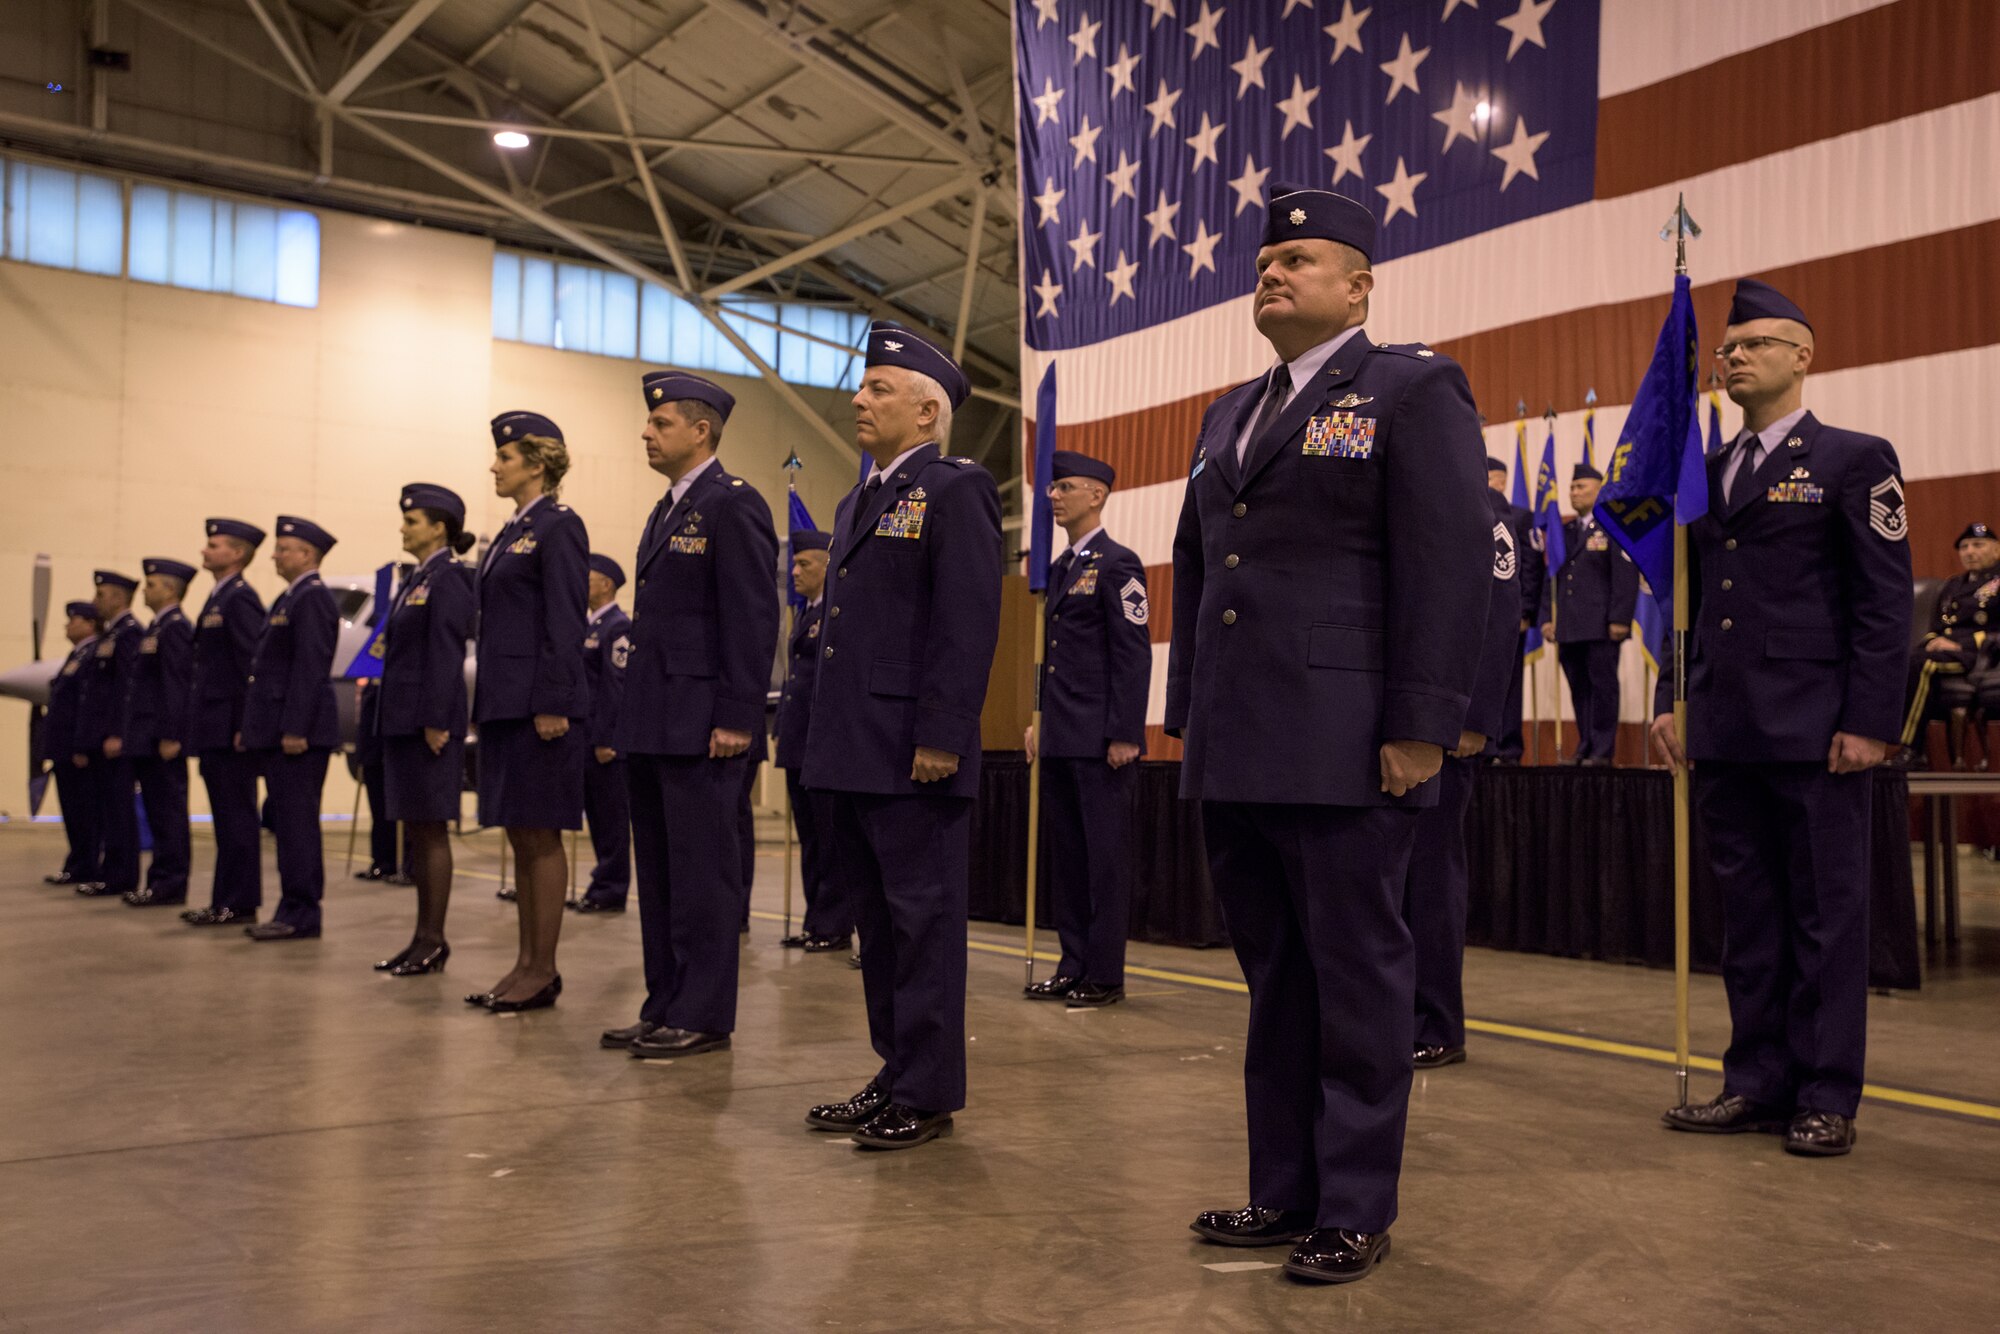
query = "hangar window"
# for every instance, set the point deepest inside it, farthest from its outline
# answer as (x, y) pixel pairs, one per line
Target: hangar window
(184, 238)
(62, 218)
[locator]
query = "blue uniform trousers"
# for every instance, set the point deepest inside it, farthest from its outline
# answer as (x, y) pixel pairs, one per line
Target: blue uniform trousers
(1087, 818)
(118, 823)
(686, 846)
(1312, 896)
(1510, 745)
(1789, 844)
(746, 834)
(1434, 907)
(76, 789)
(607, 808)
(231, 779)
(164, 785)
(1591, 668)
(906, 859)
(294, 783)
(829, 904)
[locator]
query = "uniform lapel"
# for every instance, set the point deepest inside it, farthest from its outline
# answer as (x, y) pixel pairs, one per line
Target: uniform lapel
(1222, 451)
(1777, 465)
(1340, 368)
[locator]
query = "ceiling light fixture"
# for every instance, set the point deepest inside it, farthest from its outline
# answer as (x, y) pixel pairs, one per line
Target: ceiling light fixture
(509, 139)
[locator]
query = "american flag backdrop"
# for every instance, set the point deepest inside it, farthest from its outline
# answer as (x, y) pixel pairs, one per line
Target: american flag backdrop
(1522, 156)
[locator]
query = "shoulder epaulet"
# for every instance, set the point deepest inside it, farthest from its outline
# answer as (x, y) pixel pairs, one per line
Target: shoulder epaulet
(1408, 350)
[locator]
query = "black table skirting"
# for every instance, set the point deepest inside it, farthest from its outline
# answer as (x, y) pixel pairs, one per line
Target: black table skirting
(1571, 862)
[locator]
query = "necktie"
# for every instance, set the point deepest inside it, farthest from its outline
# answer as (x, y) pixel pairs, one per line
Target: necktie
(1746, 470)
(1274, 403)
(1059, 572)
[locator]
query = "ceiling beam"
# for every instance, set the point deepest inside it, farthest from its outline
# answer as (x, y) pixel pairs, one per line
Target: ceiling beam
(645, 58)
(660, 218)
(832, 240)
(385, 46)
(284, 47)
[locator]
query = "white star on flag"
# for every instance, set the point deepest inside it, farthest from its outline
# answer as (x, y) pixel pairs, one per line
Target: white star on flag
(1519, 153)
(1048, 290)
(1297, 109)
(1401, 192)
(1084, 247)
(1161, 108)
(1203, 30)
(1203, 142)
(1162, 9)
(1525, 25)
(1451, 5)
(1120, 277)
(1084, 141)
(1161, 219)
(1346, 154)
(1402, 71)
(1120, 71)
(1250, 69)
(1047, 201)
(1290, 5)
(1045, 101)
(1457, 118)
(1121, 178)
(1346, 30)
(1045, 13)
(1202, 249)
(1084, 40)
(1249, 187)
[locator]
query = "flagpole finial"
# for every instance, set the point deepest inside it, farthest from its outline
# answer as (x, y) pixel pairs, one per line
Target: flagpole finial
(792, 463)
(1680, 228)
(1521, 408)
(1550, 415)
(1590, 398)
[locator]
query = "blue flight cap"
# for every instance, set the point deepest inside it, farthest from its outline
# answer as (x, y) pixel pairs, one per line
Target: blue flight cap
(439, 499)
(114, 579)
(236, 528)
(87, 610)
(1495, 465)
(1584, 472)
(669, 386)
(1761, 301)
(510, 426)
(811, 539)
(609, 568)
(174, 569)
(290, 525)
(893, 345)
(1298, 212)
(1973, 530)
(1069, 463)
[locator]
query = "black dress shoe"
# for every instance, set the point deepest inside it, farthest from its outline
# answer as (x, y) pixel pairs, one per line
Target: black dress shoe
(796, 941)
(150, 898)
(59, 878)
(506, 894)
(854, 960)
(1335, 1255)
(621, 1039)
(415, 964)
(398, 878)
(1055, 988)
(372, 873)
(216, 917)
(386, 964)
(1089, 996)
(828, 944)
(588, 904)
(1252, 1226)
(900, 1126)
(1430, 1057)
(281, 931)
(853, 1114)
(541, 1000)
(1728, 1114)
(95, 889)
(665, 1043)
(1820, 1135)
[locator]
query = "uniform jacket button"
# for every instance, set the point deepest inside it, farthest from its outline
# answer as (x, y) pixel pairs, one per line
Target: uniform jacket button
(1229, 618)
(1728, 584)
(1240, 509)
(1230, 562)
(1729, 545)
(1728, 624)
(833, 611)
(843, 571)
(829, 650)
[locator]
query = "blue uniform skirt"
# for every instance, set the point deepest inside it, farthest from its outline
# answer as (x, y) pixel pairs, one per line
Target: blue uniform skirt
(526, 782)
(422, 787)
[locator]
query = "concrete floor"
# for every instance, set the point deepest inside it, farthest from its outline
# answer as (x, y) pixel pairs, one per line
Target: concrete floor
(201, 1133)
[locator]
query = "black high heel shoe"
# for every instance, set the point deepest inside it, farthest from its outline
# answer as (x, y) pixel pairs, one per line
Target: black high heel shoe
(480, 998)
(413, 964)
(393, 961)
(541, 1000)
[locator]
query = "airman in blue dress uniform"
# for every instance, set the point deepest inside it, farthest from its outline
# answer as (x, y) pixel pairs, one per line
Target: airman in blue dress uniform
(1594, 595)
(155, 730)
(913, 614)
(829, 916)
(225, 640)
(1434, 900)
(99, 717)
(291, 723)
(607, 796)
(1800, 616)
(704, 630)
(1097, 669)
(58, 739)
(1534, 571)
(421, 713)
(532, 696)
(1334, 542)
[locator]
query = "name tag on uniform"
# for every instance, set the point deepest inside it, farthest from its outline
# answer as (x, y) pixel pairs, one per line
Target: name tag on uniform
(211, 620)
(522, 546)
(1796, 493)
(281, 618)
(107, 648)
(687, 546)
(418, 596)
(1085, 582)
(1597, 542)
(149, 645)
(906, 520)
(1339, 435)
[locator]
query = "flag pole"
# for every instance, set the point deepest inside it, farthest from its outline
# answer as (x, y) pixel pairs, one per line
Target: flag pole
(1682, 843)
(792, 465)
(785, 789)
(1035, 788)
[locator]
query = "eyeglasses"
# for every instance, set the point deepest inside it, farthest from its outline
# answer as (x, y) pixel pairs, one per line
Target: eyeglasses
(1752, 345)
(1066, 487)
